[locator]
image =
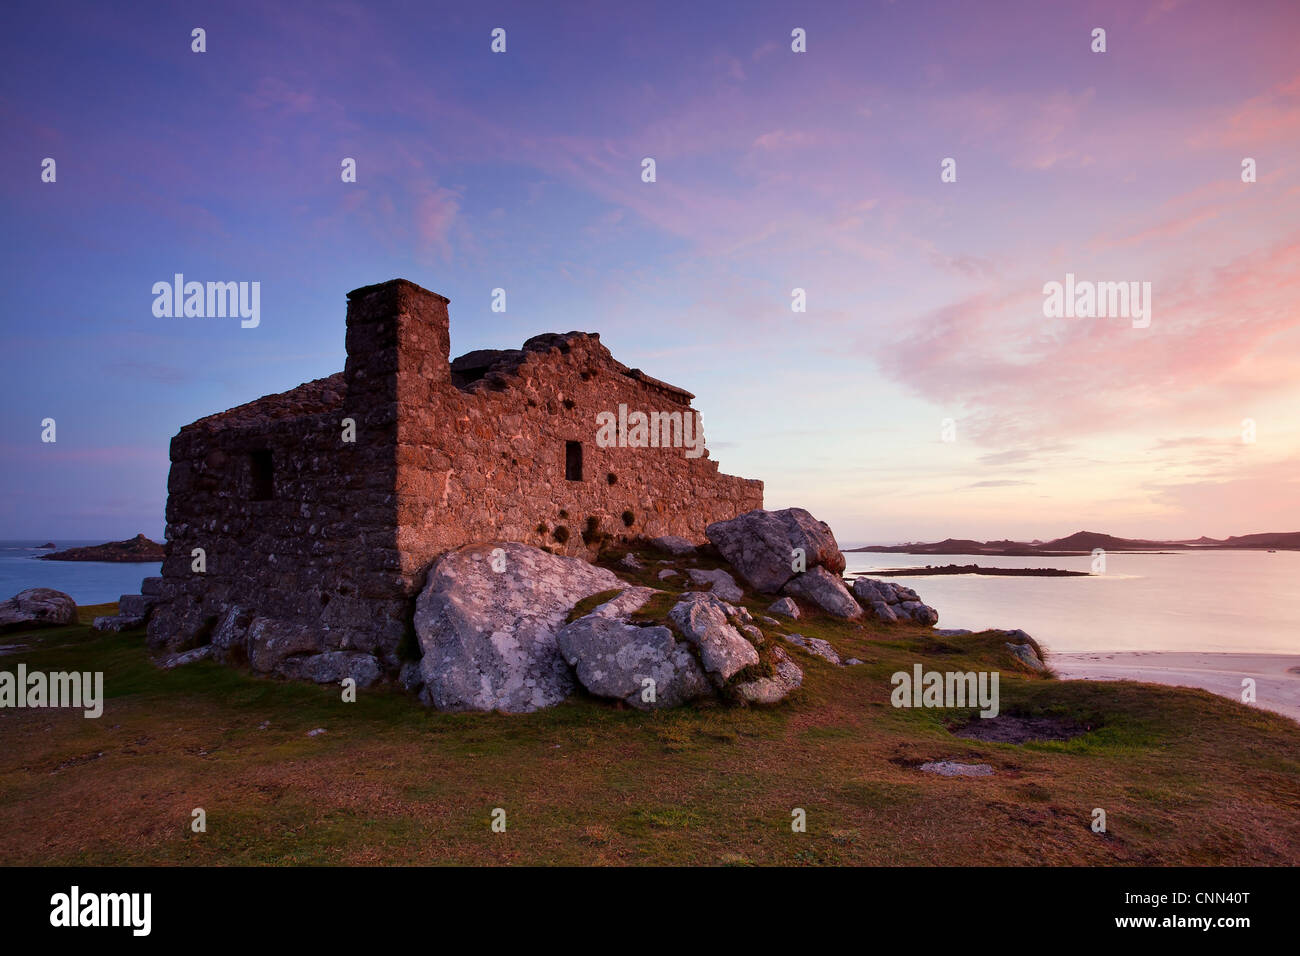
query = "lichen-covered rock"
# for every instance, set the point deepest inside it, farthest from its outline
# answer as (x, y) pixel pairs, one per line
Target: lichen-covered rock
(826, 590)
(724, 585)
(624, 604)
(646, 667)
(230, 639)
(920, 613)
(787, 677)
(884, 612)
(702, 619)
(410, 678)
(870, 590)
(785, 607)
(332, 667)
(37, 607)
(116, 623)
(135, 605)
(172, 661)
(816, 646)
(761, 545)
(270, 641)
(489, 637)
(890, 602)
(1025, 652)
(954, 768)
(673, 544)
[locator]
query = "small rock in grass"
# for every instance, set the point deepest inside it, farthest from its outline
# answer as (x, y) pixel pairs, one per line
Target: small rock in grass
(951, 768)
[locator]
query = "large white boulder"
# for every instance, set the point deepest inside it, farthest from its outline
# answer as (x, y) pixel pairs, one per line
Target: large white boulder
(487, 621)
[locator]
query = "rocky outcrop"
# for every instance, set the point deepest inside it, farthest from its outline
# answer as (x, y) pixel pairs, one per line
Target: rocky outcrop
(333, 667)
(673, 544)
(173, 661)
(707, 647)
(786, 678)
(761, 545)
(826, 590)
(723, 584)
(817, 647)
(645, 666)
(37, 607)
(138, 548)
(133, 611)
(115, 623)
(890, 602)
(271, 641)
(703, 619)
(954, 768)
(488, 636)
(1021, 647)
(785, 607)
(230, 639)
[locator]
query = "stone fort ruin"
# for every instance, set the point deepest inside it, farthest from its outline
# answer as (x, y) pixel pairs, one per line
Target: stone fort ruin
(314, 545)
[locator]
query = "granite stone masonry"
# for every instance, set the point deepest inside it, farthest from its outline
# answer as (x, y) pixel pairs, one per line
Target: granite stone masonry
(314, 544)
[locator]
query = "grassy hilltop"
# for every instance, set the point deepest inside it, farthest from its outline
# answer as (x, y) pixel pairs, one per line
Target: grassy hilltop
(1185, 777)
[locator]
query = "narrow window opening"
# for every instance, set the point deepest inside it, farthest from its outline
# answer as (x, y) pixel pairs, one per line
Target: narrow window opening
(573, 460)
(263, 475)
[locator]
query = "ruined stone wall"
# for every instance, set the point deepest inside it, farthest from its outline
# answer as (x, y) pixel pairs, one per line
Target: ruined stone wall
(326, 552)
(320, 550)
(489, 463)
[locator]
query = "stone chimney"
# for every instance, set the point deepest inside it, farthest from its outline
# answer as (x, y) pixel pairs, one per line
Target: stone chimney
(398, 344)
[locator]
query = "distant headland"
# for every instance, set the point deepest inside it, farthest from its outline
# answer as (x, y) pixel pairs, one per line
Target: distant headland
(1085, 542)
(976, 569)
(139, 549)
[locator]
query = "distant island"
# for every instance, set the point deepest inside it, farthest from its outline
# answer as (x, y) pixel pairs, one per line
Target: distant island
(976, 569)
(1084, 542)
(139, 549)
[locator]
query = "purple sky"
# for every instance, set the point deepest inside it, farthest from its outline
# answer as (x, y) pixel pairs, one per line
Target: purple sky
(775, 170)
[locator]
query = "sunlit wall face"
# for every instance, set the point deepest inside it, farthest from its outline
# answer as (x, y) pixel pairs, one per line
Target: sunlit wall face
(922, 393)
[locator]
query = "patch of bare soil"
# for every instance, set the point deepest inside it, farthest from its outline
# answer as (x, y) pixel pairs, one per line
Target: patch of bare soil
(1005, 729)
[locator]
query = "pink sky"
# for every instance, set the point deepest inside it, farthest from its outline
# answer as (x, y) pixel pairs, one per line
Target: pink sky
(776, 170)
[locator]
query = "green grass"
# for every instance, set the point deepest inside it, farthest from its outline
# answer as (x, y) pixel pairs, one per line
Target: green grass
(1185, 777)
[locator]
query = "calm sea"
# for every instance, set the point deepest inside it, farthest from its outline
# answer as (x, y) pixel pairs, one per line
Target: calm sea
(1243, 601)
(88, 582)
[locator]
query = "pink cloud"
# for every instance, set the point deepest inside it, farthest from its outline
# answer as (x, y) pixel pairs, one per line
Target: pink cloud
(1218, 344)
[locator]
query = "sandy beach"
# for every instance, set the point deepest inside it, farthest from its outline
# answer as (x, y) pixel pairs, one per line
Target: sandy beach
(1277, 676)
